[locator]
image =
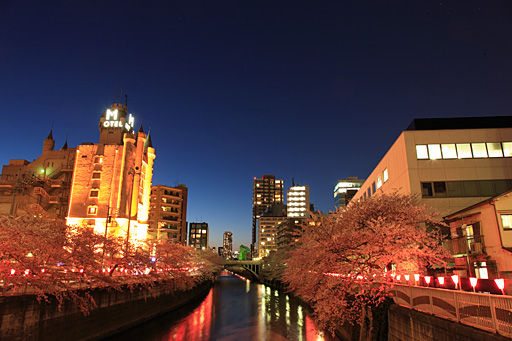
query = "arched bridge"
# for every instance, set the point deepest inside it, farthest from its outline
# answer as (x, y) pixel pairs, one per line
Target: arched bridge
(251, 266)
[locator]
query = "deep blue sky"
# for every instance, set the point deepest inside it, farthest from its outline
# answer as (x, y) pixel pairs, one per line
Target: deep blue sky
(315, 90)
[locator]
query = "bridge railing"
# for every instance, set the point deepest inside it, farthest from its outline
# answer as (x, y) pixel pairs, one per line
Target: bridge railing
(489, 312)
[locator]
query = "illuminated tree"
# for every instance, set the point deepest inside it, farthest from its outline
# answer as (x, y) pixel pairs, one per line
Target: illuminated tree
(339, 266)
(48, 258)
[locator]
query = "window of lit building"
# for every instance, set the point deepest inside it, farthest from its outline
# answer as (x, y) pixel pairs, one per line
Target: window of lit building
(507, 149)
(506, 221)
(379, 181)
(494, 150)
(421, 152)
(94, 193)
(92, 210)
(464, 151)
(434, 151)
(449, 151)
(96, 175)
(98, 159)
(479, 150)
(385, 175)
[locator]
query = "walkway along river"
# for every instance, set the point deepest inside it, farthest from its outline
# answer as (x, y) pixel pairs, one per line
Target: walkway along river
(234, 309)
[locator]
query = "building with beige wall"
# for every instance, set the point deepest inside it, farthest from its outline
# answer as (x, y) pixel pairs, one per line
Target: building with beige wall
(168, 213)
(111, 182)
(40, 187)
(481, 239)
(450, 163)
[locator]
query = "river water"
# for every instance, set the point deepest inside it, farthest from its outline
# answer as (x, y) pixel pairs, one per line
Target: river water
(234, 309)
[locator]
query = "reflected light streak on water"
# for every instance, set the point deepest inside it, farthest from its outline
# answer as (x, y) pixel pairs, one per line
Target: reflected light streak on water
(233, 310)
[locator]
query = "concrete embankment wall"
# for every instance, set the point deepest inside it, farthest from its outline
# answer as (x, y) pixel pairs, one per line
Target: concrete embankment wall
(409, 324)
(24, 318)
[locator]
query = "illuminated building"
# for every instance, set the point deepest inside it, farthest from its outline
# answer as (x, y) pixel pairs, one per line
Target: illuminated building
(227, 245)
(450, 163)
(346, 189)
(298, 202)
(40, 187)
(198, 235)
(267, 224)
(266, 191)
(168, 213)
(111, 183)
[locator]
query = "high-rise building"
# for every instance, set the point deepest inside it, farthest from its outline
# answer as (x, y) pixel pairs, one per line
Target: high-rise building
(450, 163)
(266, 191)
(267, 225)
(168, 213)
(297, 199)
(111, 183)
(198, 235)
(40, 187)
(227, 245)
(346, 189)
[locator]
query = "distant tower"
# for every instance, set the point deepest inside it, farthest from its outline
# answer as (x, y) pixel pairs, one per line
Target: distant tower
(345, 190)
(266, 191)
(49, 142)
(298, 202)
(227, 245)
(198, 236)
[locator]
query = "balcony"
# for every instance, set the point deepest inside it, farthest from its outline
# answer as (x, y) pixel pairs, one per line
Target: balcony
(464, 246)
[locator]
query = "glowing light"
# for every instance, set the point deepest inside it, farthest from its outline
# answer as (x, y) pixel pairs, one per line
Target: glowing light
(428, 279)
(500, 283)
(441, 280)
(455, 279)
(13, 271)
(473, 282)
(407, 277)
(398, 277)
(416, 277)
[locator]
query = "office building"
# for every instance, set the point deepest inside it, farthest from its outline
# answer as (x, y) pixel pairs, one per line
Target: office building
(227, 245)
(346, 189)
(266, 191)
(198, 235)
(111, 183)
(168, 213)
(267, 225)
(40, 187)
(297, 202)
(450, 163)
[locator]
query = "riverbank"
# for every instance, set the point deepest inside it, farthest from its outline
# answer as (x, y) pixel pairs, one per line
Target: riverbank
(25, 318)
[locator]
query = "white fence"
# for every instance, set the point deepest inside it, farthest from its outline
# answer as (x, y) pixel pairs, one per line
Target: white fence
(489, 312)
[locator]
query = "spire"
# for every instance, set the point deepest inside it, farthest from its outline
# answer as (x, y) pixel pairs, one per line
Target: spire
(148, 142)
(65, 146)
(140, 129)
(50, 135)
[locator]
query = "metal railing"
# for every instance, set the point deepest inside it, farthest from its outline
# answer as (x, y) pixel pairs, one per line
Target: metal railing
(489, 312)
(466, 246)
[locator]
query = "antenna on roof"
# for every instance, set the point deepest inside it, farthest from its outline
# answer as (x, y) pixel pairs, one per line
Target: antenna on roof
(126, 101)
(293, 182)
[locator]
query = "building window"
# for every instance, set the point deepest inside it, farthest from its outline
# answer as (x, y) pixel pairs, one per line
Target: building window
(96, 175)
(94, 193)
(426, 190)
(494, 149)
(434, 151)
(373, 188)
(92, 210)
(506, 221)
(479, 150)
(379, 181)
(385, 175)
(98, 159)
(464, 151)
(421, 152)
(507, 149)
(369, 192)
(440, 189)
(449, 151)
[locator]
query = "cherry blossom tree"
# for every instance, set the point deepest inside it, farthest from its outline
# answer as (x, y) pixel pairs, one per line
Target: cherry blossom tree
(339, 266)
(48, 258)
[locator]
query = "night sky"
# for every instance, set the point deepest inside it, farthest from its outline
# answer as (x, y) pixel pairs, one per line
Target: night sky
(232, 90)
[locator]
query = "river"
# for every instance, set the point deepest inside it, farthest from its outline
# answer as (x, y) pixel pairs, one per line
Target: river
(234, 309)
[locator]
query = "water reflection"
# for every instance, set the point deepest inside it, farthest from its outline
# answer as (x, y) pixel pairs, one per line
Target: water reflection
(234, 309)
